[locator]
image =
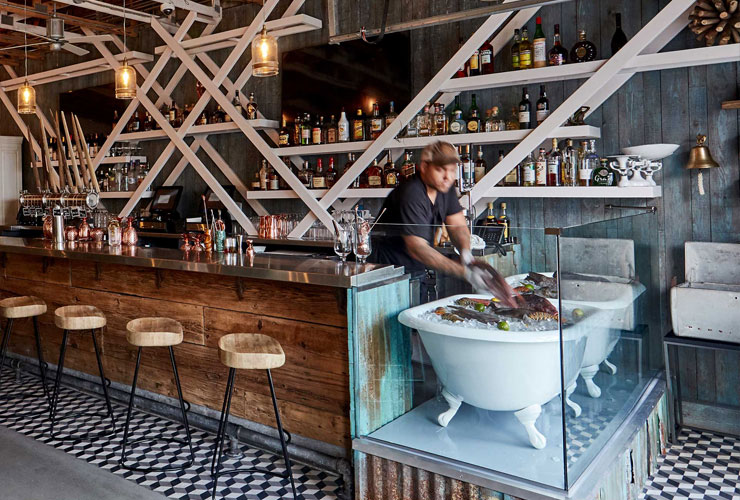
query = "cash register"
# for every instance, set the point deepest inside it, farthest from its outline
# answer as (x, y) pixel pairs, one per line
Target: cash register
(215, 205)
(161, 214)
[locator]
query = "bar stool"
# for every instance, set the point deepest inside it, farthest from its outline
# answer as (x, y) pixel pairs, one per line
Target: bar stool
(76, 319)
(155, 332)
(18, 308)
(248, 351)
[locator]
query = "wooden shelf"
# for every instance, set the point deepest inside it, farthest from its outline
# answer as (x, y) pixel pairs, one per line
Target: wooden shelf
(209, 129)
(731, 104)
(575, 192)
(108, 160)
(323, 149)
(286, 194)
(123, 195)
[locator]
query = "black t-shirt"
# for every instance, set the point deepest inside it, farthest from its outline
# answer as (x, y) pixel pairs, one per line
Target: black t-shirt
(409, 211)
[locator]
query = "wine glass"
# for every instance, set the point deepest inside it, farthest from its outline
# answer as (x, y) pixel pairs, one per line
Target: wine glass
(361, 245)
(342, 243)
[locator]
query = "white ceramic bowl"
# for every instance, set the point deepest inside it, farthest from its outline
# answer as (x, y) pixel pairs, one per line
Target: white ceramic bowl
(652, 152)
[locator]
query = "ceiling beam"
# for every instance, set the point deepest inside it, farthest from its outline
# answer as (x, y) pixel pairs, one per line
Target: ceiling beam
(41, 12)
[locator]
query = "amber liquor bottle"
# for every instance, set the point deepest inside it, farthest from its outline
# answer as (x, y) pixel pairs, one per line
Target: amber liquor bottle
(284, 135)
(558, 54)
(358, 126)
(374, 175)
(525, 51)
(583, 50)
(390, 174)
(376, 122)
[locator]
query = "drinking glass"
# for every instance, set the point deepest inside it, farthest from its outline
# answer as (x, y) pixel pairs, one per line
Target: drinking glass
(361, 245)
(343, 243)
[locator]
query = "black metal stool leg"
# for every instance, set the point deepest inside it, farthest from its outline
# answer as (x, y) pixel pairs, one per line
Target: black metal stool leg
(40, 354)
(103, 381)
(182, 408)
(6, 339)
(286, 455)
(58, 381)
(222, 427)
(130, 408)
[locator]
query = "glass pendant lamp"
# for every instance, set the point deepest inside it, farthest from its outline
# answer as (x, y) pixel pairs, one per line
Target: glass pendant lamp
(125, 74)
(265, 54)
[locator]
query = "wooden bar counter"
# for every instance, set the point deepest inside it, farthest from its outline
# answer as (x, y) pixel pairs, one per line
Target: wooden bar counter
(313, 307)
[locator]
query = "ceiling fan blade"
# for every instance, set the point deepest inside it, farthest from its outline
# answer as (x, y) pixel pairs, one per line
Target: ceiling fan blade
(75, 50)
(22, 46)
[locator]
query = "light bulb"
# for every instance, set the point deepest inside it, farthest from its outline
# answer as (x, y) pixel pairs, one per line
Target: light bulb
(26, 95)
(265, 49)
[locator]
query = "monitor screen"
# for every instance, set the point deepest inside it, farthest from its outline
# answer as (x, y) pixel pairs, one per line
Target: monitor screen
(324, 79)
(166, 198)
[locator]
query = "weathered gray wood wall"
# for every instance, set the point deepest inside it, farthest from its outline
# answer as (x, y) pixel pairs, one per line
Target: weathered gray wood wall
(668, 106)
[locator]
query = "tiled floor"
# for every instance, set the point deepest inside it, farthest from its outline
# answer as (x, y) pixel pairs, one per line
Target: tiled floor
(702, 465)
(193, 483)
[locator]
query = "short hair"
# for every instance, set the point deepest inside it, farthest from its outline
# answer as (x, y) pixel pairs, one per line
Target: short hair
(440, 153)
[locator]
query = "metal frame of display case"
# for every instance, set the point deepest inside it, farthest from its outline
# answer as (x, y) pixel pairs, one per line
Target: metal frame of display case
(603, 78)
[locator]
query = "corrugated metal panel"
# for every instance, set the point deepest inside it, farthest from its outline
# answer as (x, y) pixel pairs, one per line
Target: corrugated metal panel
(381, 479)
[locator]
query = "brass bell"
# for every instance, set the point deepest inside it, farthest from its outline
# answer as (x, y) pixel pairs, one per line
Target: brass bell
(700, 157)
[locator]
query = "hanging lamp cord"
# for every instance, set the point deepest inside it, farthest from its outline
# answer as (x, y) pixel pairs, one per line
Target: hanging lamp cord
(383, 23)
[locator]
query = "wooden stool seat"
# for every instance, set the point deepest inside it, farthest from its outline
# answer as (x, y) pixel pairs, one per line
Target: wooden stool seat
(22, 307)
(154, 332)
(250, 351)
(79, 318)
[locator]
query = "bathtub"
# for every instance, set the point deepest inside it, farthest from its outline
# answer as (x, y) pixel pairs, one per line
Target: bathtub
(617, 302)
(498, 370)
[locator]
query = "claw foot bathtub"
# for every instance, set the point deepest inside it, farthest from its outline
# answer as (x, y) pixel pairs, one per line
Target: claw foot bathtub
(500, 370)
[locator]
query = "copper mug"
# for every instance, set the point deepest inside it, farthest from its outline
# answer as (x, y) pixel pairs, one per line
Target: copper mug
(48, 227)
(97, 234)
(70, 233)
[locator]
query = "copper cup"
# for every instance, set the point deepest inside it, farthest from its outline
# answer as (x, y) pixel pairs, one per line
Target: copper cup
(70, 233)
(48, 227)
(97, 234)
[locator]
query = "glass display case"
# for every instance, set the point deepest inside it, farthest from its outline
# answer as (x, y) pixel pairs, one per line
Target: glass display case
(534, 391)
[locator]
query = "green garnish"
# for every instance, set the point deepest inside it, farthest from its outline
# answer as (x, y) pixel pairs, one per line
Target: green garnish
(529, 286)
(503, 325)
(578, 313)
(480, 307)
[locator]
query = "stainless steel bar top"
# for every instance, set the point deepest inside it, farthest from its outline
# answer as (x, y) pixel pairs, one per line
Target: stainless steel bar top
(288, 268)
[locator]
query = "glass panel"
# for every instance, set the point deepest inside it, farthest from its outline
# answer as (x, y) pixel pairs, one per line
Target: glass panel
(484, 380)
(608, 276)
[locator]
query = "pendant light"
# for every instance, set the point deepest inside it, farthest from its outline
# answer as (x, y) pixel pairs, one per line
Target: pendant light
(125, 74)
(264, 53)
(26, 94)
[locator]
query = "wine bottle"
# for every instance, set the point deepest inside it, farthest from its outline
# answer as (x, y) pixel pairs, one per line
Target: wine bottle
(619, 39)
(525, 111)
(543, 106)
(515, 51)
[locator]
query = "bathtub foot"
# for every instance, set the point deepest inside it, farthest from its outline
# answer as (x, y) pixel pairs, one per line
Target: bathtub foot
(454, 402)
(610, 367)
(572, 404)
(588, 374)
(527, 417)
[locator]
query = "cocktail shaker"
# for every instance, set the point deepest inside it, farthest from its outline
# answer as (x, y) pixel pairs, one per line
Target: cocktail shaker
(57, 233)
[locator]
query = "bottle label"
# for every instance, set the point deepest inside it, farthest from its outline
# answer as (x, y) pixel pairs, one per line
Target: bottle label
(343, 131)
(524, 117)
(357, 132)
(390, 179)
(331, 136)
(474, 59)
(584, 174)
(274, 184)
(601, 176)
(455, 127)
(319, 182)
(374, 181)
(472, 126)
(515, 60)
(283, 140)
(556, 59)
(540, 52)
(528, 175)
(485, 57)
(525, 58)
(511, 177)
(480, 172)
(541, 173)
(376, 124)
(316, 136)
(542, 114)
(305, 135)
(552, 167)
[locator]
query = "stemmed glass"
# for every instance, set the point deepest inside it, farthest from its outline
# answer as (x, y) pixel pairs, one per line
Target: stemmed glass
(342, 242)
(361, 245)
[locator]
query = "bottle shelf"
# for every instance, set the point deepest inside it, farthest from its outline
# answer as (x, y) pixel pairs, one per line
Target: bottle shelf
(108, 160)
(285, 194)
(123, 195)
(503, 137)
(574, 192)
(209, 129)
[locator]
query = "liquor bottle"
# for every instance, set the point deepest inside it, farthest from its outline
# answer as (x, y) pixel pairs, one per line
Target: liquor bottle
(480, 166)
(569, 171)
(554, 165)
(525, 50)
(540, 169)
(273, 183)
(200, 89)
(412, 129)
(558, 54)
(332, 131)
(474, 63)
(468, 171)
(374, 175)
(306, 130)
(220, 114)
(583, 50)
(462, 70)
(429, 117)
(515, 51)
(539, 46)
(590, 162)
(319, 177)
(305, 175)
(284, 136)
(486, 58)
(527, 167)
(543, 106)
(251, 107)
(602, 175)
(488, 123)
(172, 114)
(619, 39)
(256, 181)
(347, 166)
(237, 103)
(390, 174)
(491, 219)
(148, 121)
(392, 115)
(408, 169)
(441, 124)
(331, 173)
(358, 126)
(514, 177)
(498, 125)
(263, 175)
(513, 123)
(316, 134)
(115, 118)
(457, 124)
(473, 117)
(525, 111)
(376, 122)
(343, 127)
(203, 119)
(504, 220)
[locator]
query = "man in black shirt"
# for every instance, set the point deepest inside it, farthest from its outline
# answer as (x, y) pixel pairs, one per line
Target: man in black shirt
(420, 205)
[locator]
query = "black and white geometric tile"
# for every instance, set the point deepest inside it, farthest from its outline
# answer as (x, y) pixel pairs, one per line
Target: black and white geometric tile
(703, 465)
(192, 483)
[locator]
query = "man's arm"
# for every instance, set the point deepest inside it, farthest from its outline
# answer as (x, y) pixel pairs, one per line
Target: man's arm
(420, 250)
(457, 228)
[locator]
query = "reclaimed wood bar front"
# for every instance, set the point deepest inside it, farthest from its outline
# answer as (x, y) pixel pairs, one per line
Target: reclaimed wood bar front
(302, 303)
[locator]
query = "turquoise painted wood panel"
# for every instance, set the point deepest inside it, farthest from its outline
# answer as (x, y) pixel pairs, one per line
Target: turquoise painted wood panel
(380, 361)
